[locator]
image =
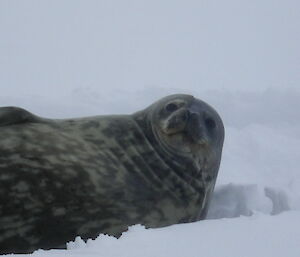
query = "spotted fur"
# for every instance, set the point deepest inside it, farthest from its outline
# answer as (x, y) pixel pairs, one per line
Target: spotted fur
(81, 177)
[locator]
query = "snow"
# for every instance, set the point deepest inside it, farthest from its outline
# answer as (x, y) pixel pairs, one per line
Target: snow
(113, 57)
(259, 235)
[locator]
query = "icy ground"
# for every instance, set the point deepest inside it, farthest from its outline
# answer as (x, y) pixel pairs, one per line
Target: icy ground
(76, 58)
(255, 210)
(259, 236)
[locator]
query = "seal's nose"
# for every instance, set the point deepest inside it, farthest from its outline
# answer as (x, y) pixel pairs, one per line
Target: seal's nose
(185, 115)
(195, 127)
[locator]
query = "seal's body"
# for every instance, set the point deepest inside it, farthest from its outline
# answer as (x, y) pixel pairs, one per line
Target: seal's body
(81, 177)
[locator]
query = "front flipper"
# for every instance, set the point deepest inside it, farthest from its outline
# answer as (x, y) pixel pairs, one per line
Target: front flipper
(15, 115)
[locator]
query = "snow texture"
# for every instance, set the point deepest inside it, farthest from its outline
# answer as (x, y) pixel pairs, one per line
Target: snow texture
(76, 58)
(259, 236)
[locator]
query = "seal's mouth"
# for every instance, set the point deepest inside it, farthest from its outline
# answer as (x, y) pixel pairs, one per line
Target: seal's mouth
(186, 125)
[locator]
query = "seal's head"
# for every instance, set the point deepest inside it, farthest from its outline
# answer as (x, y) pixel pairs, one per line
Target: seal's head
(186, 126)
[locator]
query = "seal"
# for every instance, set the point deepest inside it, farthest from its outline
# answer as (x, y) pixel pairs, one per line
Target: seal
(81, 177)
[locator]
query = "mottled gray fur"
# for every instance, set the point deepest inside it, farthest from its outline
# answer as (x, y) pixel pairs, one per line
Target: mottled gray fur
(80, 177)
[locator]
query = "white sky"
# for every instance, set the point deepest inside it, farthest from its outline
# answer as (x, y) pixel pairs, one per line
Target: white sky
(55, 47)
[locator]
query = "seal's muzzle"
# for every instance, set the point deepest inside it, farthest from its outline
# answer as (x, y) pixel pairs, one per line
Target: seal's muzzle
(176, 122)
(188, 122)
(195, 128)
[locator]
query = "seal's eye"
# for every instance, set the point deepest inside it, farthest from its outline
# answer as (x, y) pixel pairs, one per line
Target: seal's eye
(210, 123)
(171, 107)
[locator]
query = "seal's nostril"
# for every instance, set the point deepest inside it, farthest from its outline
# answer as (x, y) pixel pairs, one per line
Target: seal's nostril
(194, 116)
